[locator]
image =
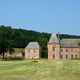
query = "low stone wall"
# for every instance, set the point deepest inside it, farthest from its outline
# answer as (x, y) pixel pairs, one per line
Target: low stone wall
(7, 55)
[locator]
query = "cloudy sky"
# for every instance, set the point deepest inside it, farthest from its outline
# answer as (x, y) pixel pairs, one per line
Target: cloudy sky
(51, 16)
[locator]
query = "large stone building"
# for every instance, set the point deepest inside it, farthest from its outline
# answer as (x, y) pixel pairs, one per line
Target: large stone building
(64, 48)
(33, 50)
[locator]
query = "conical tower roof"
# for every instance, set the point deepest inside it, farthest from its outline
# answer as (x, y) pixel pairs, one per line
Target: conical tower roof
(54, 39)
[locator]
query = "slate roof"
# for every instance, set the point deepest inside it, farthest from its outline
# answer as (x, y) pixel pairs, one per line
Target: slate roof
(70, 43)
(33, 45)
(65, 43)
(53, 39)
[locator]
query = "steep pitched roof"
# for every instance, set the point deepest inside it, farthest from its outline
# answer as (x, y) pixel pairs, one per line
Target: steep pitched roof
(70, 43)
(54, 39)
(33, 45)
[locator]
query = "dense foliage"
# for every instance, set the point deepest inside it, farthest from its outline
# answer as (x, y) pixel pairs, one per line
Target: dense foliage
(19, 38)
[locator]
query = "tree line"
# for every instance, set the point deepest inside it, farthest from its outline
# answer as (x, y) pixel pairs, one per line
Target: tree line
(19, 38)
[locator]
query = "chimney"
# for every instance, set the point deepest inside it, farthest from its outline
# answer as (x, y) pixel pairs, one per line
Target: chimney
(59, 36)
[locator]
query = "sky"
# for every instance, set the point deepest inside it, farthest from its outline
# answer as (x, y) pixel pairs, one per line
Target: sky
(52, 16)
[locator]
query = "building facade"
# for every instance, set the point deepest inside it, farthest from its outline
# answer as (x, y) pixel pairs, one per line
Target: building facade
(33, 51)
(64, 48)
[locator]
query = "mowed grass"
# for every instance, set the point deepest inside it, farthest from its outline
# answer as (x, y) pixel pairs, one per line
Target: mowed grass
(40, 70)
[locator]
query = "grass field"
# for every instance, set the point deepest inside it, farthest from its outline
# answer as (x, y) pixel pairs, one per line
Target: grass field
(40, 70)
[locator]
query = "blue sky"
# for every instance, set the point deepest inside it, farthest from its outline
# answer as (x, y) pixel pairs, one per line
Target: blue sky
(51, 16)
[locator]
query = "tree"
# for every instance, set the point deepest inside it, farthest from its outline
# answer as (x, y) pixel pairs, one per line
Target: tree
(19, 38)
(5, 40)
(5, 47)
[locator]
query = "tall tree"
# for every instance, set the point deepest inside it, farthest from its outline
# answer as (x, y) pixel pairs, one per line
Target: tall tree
(5, 40)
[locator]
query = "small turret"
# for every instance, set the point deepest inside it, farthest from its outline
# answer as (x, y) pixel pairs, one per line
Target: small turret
(54, 47)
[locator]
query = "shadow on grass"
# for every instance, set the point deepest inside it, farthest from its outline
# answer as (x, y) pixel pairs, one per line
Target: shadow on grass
(12, 59)
(75, 59)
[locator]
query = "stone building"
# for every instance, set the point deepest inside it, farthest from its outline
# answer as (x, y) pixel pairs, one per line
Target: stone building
(33, 50)
(64, 48)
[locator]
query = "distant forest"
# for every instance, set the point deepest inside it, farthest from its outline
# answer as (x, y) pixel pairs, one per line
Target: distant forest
(19, 38)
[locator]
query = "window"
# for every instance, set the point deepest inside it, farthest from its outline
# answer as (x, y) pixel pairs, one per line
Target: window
(61, 56)
(75, 55)
(53, 48)
(28, 50)
(34, 51)
(66, 50)
(66, 56)
(61, 50)
(53, 56)
(23, 54)
(71, 55)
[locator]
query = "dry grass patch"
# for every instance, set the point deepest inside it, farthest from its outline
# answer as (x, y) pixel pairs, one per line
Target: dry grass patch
(40, 70)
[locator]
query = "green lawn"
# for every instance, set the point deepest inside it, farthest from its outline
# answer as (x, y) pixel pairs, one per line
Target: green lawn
(40, 70)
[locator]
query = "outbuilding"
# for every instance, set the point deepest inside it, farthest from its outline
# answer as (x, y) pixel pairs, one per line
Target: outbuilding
(33, 50)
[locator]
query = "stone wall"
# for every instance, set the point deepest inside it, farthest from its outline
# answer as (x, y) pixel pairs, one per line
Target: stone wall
(55, 52)
(32, 53)
(69, 53)
(7, 55)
